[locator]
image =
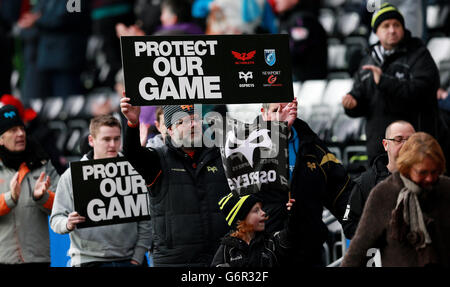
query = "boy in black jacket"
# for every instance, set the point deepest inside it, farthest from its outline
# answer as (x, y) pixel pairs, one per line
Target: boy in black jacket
(248, 245)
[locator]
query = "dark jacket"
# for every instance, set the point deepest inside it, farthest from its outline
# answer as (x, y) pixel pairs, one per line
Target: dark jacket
(406, 91)
(265, 249)
(235, 252)
(373, 230)
(361, 189)
(62, 36)
(187, 224)
(319, 180)
(307, 43)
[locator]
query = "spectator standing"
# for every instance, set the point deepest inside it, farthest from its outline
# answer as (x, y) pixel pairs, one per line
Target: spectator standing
(26, 194)
(61, 50)
(384, 165)
(407, 215)
(176, 18)
(317, 180)
(9, 13)
(105, 15)
(119, 245)
(397, 81)
(307, 38)
(186, 182)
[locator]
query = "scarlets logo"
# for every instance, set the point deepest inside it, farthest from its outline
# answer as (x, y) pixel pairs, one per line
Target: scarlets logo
(244, 58)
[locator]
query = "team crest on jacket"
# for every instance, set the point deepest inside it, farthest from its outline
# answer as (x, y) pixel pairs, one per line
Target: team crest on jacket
(311, 166)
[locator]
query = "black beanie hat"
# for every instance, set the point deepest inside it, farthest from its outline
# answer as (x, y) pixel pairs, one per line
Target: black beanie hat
(9, 117)
(173, 113)
(386, 11)
(237, 207)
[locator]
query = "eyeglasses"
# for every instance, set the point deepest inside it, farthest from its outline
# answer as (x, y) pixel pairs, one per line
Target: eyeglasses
(398, 139)
(425, 173)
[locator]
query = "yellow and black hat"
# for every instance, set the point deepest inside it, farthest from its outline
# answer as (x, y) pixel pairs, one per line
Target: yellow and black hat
(386, 11)
(237, 207)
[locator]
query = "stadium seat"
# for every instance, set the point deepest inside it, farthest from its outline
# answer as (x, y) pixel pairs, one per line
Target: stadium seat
(336, 55)
(76, 129)
(335, 90)
(333, 3)
(327, 19)
(321, 120)
(310, 94)
(439, 48)
(437, 15)
(73, 107)
(36, 105)
(51, 108)
(347, 23)
(59, 129)
(346, 130)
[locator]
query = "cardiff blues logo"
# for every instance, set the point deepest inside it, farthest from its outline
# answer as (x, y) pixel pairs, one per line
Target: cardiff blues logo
(269, 56)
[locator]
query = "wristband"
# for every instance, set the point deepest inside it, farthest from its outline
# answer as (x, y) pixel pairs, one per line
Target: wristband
(131, 125)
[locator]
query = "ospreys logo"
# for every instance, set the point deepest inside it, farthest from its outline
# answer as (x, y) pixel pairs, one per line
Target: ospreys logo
(10, 114)
(312, 166)
(212, 169)
(247, 147)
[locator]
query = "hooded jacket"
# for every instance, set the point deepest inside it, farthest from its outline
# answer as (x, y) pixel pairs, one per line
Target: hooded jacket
(360, 192)
(24, 236)
(319, 180)
(406, 91)
(125, 241)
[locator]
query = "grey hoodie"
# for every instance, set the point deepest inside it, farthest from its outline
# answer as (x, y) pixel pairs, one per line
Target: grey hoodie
(126, 241)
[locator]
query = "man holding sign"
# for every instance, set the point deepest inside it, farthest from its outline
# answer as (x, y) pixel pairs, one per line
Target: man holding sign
(317, 180)
(187, 180)
(122, 244)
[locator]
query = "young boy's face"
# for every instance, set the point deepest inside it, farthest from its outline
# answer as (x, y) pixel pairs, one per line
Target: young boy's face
(256, 217)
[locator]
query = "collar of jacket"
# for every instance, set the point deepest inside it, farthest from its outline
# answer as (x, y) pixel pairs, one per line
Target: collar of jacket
(90, 155)
(34, 154)
(405, 44)
(305, 134)
(232, 241)
(379, 165)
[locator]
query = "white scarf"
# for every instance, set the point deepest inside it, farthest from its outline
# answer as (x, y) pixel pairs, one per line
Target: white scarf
(412, 213)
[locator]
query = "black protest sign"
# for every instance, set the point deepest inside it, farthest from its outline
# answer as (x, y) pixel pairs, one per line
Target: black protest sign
(255, 157)
(207, 69)
(108, 191)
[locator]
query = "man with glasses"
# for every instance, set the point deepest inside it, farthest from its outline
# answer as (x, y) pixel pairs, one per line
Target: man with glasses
(397, 133)
(186, 181)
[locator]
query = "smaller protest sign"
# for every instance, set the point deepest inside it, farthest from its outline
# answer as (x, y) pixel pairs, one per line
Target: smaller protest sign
(108, 191)
(255, 157)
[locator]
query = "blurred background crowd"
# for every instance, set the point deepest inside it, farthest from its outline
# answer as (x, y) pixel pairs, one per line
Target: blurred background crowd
(60, 61)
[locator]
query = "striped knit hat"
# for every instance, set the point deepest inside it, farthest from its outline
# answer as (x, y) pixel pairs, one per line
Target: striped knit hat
(237, 207)
(386, 11)
(174, 113)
